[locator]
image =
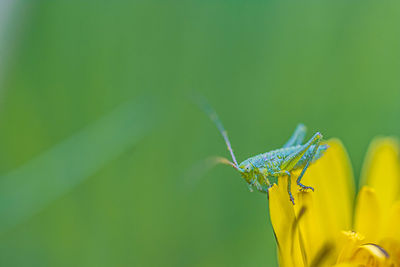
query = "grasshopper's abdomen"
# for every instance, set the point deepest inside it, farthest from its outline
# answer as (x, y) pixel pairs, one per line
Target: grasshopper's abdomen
(273, 159)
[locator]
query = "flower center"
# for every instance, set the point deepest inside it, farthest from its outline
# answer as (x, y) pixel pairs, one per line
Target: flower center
(357, 253)
(370, 255)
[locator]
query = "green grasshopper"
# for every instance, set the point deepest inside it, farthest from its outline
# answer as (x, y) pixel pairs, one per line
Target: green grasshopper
(263, 170)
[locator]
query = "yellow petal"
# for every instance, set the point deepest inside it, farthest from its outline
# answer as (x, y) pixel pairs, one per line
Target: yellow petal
(283, 218)
(367, 220)
(350, 242)
(332, 178)
(391, 228)
(381, 171)
(310, 229)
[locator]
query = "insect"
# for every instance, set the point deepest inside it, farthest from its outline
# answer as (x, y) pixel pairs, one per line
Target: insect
(262, 171)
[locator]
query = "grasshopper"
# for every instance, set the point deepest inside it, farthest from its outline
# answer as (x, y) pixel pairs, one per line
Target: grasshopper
(263, 170)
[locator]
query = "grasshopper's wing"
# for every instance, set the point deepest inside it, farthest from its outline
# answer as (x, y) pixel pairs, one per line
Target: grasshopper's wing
(298, 136)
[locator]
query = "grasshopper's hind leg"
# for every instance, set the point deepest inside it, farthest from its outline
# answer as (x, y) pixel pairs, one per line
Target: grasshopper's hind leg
(310, 158)
(297, 157)
(298, 136)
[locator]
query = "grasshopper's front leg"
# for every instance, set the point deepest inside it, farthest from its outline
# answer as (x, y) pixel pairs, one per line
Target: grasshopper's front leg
(254, 182)
(266, 183)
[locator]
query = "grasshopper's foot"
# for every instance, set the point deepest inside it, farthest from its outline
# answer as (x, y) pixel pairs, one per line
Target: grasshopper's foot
(304, 187)
(291, 197)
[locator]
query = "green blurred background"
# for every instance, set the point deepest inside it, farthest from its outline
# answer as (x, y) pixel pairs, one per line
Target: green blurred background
(98, 134)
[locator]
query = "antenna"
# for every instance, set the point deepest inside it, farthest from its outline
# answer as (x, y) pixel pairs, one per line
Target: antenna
(214, 117)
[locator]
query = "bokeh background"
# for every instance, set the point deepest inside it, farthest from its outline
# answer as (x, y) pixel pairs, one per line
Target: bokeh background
(101, 144)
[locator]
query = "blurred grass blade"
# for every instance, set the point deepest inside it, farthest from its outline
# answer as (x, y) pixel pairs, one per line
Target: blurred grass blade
(197, 171)
(7, 11)
(31, 187)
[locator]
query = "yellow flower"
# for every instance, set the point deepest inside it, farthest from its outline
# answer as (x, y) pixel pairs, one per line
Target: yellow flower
(326, 227)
